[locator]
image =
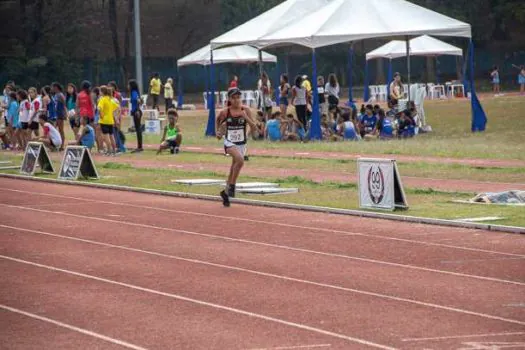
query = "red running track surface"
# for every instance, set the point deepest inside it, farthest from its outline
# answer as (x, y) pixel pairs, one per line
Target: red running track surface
(86, 268)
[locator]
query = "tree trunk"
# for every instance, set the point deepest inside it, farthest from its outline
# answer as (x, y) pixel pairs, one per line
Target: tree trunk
(127, 43)
(113, 25)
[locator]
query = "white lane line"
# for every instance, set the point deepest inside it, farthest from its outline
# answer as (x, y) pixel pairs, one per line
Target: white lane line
(266, 274)
(277, 246)
(464, 336)
(295, 347)
(320, 229)
(73, 328)
(205, 303)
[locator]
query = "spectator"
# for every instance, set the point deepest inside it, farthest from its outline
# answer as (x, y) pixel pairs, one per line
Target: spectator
(406, 126)
(306, 84)
(234, 83)
(85, 136)
(85, 105)
(12, 120)
(272, 130)
(51, 136)
(107, 107)
(396, 91)
(294, 129)
(347, 129)
(24, 112)
(168, 94)
(385, 127)
(171, 137)
(368, 122)
(136, 112)
(36, 109)
(154, 90)
(48, 104)
(95, 96)
(4, 138)
(332, 89)
(60, 109)
(119, 137)
(495, 81)
(284, 92)
(323, 106)
(71, 105)
(265, 95)
(299, 99)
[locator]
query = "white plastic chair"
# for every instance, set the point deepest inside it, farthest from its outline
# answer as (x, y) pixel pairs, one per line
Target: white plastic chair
(381, 93)
(224, 98)
(251, 97)
(421, 94)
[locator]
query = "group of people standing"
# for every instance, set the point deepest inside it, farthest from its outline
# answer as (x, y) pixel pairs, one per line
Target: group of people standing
(496, 81)
(94, 115)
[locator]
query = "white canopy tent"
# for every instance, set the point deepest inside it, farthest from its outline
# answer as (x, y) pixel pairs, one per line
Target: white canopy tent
(341, 21)
(233, 54)
(421, 46)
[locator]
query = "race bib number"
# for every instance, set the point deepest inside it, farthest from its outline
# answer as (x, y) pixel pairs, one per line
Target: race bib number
(320, 90)
(236, 135)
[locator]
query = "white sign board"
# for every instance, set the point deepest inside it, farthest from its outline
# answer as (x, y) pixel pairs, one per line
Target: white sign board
(150, 114)
(380, 185)
(152, 127)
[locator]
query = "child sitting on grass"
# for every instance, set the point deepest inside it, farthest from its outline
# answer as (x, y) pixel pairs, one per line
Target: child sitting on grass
(51, 137)
(171, 137)
(385, 126)
(273, 128)
(406, 126)
(293, 129)
(85, 135)
(346, 128)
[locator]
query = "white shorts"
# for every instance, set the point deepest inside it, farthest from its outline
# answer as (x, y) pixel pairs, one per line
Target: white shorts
(241, 148)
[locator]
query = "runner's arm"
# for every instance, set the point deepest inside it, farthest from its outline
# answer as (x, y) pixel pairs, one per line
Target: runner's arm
(219, 130)
(251, 122)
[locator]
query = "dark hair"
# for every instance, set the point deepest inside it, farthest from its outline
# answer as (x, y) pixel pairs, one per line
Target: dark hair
(377, 107)
(96, 90)
(173, 112)
(156, 75)
(12, 95)
(114, 85)
(346, 116)
(381, 113)
(363, 109)
(86, 85)
(284, 77)
(133, 86)
(74, 94)
(275, 115)
(46, 90)
(104, 90)
(22, 94)
(333, 80)
(495, 68)
(370, 107)
(397, 74)
(58, 86)
(43, 116)
(264, 75)
(298, 81)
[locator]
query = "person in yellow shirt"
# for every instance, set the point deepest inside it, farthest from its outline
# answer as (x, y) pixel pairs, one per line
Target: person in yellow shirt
(107, 108)
(154, 90)
(306, 84)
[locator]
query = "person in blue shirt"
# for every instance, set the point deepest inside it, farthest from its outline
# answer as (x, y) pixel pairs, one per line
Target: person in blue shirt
(136, 113)
(85, 136)
(385, 126)
(273, 127)
(406, 127)
(12, 119)
(368, 121)
(347, 128)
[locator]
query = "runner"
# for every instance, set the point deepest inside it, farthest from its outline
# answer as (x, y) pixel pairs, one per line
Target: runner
(231, 124)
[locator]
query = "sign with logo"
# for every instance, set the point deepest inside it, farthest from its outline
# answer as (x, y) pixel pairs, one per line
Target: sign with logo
(36, 156)
(152, 127)
(380, 185)
(150, 114)
(77, 162)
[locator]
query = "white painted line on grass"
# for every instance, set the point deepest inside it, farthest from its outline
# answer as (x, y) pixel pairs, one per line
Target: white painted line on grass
(284, 247)
(465, 336)
(266, 274)
(320, 229)
(73, 328)
(204, 303)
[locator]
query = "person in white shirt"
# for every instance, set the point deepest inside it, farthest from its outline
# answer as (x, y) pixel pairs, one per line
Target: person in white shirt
(168, 94)
(51, 137)
(24, 118)
(300, 100)
(332, 90)
(36, 108)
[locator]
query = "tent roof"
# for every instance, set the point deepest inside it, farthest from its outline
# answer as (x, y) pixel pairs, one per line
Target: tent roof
(342, 21)
(268, 22)
(421, 46)
(233, 54)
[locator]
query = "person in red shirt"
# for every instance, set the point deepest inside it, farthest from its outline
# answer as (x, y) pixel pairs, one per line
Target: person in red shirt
(235, 82)
(85, 106)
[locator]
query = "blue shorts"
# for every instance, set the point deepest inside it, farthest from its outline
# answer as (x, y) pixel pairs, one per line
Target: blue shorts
(495, 81)
(283, 101)
(521, 80)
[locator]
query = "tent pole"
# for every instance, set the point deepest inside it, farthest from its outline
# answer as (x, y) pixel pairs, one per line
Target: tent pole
(262, 97)
(350, 75)
(315, 127)
(180, 99)
(408, 64)
(210, 128)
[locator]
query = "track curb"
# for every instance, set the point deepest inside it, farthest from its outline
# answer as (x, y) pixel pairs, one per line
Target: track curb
(310, 208)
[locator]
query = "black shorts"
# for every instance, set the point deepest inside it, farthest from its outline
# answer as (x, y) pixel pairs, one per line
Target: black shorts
(33, 126)
(61, 117)
(74, 122)
(24, 126)
(106, 129)
(172, 144)
(87, 119)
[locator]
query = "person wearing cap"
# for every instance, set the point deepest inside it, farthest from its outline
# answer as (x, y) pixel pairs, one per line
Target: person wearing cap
(231, 124)
(306, 84)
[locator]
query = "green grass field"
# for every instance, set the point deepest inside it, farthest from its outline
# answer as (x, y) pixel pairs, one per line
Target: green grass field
(450, 120)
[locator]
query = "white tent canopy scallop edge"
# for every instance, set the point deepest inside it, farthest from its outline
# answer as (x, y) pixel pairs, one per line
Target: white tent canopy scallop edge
(233, 54)
(421, 46)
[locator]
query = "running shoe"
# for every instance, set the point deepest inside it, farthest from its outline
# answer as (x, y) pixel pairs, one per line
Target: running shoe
(225, 198)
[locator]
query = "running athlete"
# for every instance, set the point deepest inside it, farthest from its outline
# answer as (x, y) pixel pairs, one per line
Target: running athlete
(231, 124)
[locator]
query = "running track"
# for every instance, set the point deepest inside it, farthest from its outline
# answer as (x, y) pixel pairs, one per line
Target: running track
(88, 268)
